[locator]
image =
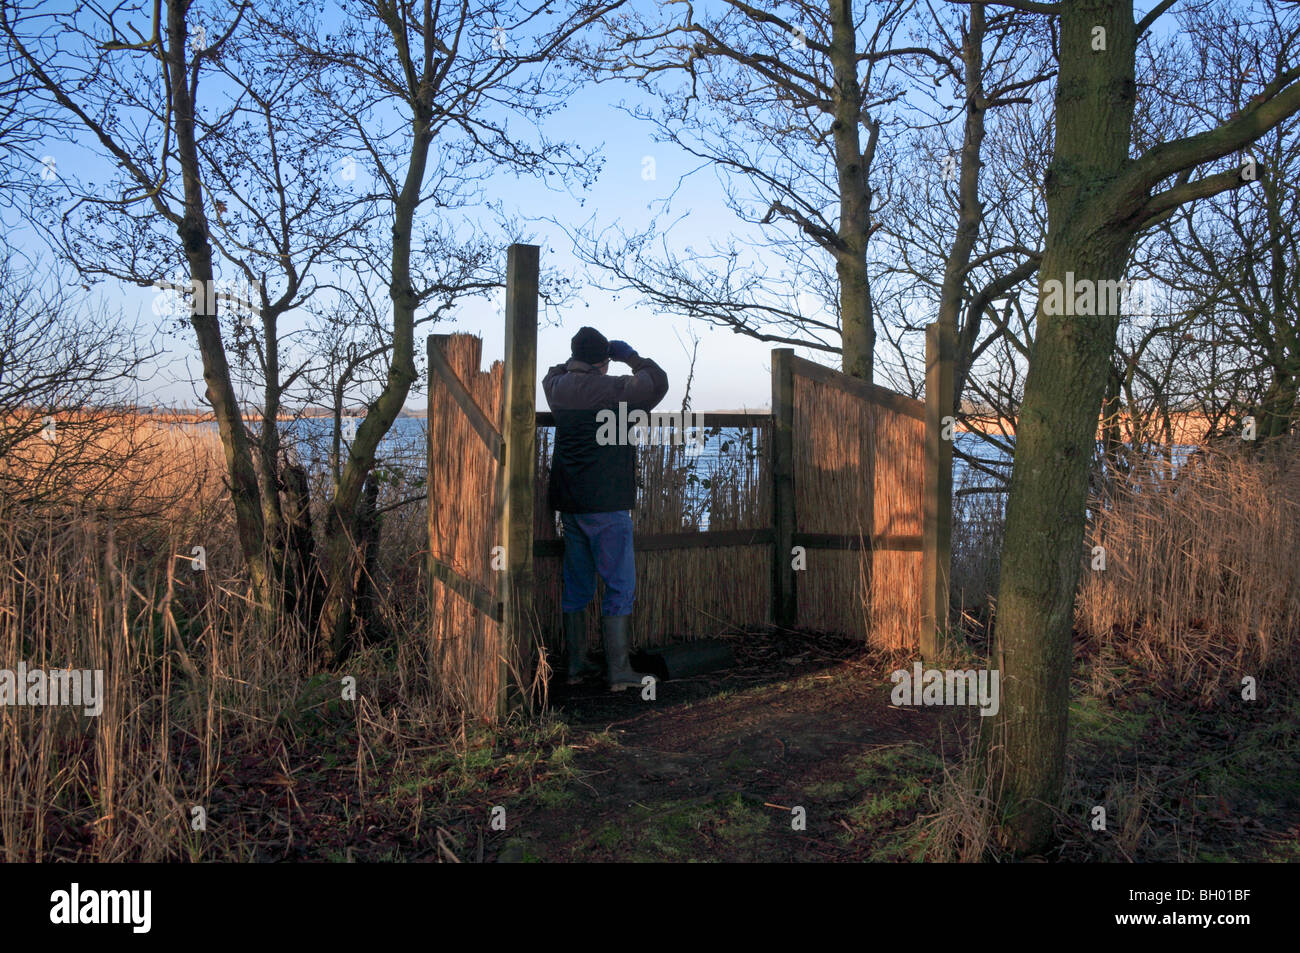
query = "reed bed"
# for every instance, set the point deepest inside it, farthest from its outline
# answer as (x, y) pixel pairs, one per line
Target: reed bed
(859, 469)
(1202, 577)
(184, 665)
(118, 463)
(199, 690)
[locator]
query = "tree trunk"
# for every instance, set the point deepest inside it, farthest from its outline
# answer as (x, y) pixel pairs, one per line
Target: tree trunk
(970, 212)
(1043, 549)
(193, 233)
(857, 316)
(1057, 430)
(305, 589)
(1277, 408)
(341, 524)
(370, 524)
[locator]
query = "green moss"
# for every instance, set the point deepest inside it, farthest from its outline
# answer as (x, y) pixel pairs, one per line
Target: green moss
(738, 762)
(825, 791)
(610, 836)
(889, 789)
(1207, 856)
(550, 796)
(669, 830)
(1095, 721)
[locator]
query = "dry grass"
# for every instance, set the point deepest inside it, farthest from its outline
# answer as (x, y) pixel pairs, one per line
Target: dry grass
(180, 668)
(962, 826)
(1202, 578)
(199, 692)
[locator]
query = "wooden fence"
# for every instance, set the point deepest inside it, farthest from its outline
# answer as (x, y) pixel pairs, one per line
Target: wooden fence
(828, 513)
(480, 489)
(854, 505)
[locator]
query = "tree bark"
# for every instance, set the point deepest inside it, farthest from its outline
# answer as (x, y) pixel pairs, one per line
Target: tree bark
(1056, 433)
(193, 233)
(305, 591)
(857, 315)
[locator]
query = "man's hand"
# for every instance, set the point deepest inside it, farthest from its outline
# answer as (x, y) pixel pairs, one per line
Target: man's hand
(620, 351)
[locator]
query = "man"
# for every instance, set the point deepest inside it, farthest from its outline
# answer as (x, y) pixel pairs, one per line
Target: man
(593, 486)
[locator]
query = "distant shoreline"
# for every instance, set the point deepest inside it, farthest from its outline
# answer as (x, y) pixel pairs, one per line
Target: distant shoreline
(1187, 427)
(207, 416)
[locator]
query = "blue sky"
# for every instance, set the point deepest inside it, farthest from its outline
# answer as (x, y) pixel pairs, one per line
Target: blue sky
(732, 371)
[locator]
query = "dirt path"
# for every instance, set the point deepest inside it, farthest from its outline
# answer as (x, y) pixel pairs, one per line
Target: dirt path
(714, 768)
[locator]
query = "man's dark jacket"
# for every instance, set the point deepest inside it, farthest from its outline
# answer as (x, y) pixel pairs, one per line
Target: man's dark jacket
(585, 476)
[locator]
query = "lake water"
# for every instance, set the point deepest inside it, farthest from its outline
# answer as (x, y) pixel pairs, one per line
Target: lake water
(725, 449)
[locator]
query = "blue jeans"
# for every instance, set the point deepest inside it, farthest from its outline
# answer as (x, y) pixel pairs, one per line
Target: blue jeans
(598, 543)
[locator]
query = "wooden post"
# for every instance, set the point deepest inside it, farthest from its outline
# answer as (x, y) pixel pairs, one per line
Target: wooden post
(937, 525)
(785, 606)
(430, 526)
(519, 433)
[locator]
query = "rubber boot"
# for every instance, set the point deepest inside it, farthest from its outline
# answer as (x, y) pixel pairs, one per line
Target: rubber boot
(575, 647)
(620, 671)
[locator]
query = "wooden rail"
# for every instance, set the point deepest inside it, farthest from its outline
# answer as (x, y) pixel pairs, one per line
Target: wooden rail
(707, 419)
(764, 536)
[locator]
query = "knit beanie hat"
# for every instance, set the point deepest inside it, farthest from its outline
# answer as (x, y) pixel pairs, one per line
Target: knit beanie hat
(590, 346)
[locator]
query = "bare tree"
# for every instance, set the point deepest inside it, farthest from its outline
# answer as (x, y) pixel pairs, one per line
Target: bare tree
(68, 371)
(242, 180)
(962, 240)
(1232, 260)
(425, 91)
(130, 77)
(791, 103)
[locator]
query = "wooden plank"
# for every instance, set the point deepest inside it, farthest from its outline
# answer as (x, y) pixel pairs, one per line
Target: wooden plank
(477, 419)
(937, 494)
(903, 543)
(481, 599)
(649, 542)
(851, 385)
(518, 462)
(547, 419)
(785, 606)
